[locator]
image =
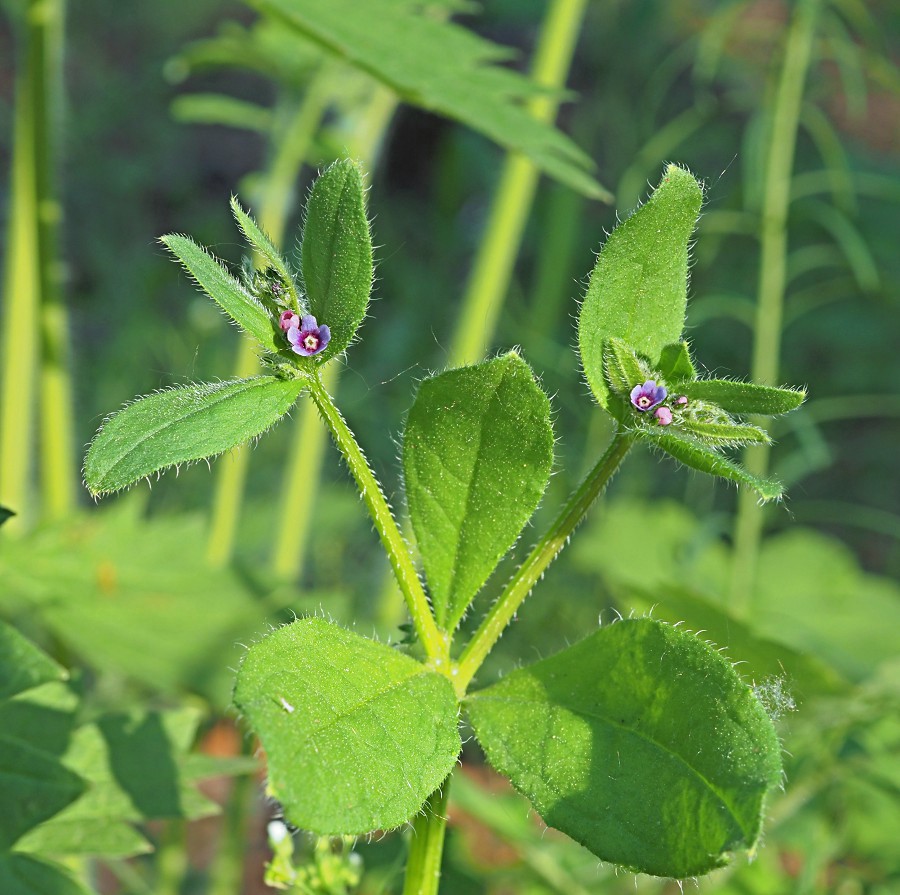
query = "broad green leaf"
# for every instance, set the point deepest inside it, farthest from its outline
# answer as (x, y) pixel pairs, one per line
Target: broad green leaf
(215, 108)
(180, 425)
(225, 290)
(23, 665)
(263, 246)
(357, 735)
(35, 786)
(477, 453)
(337, 253)
(675, 362)
(641, 742)
(744, 397)
(443, 68)
(25, 875)
(724, 434)
(638, 289)
(691, 452)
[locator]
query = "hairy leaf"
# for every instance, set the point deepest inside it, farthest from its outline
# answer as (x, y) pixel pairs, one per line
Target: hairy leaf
(477, 453)
(263, 246)
(23, 665)
(641, 742)
(622, 366)
(744, 397)
(675, 362)
(224, 289)
(184, 424)
(638, 288)
(337, 253)
(725, 434)
(357, 735)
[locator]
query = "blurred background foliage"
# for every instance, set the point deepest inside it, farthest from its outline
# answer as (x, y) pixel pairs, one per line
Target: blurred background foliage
(171, 108)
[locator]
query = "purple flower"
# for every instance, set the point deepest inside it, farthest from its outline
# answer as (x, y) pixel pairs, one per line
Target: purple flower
(647, 396)
(663, 415)
(308, 338)
(287, 320)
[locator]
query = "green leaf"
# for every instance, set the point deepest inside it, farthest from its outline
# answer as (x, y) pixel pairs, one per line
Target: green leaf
(442, 68)
(622, 367)
(744, 397)
(5, 514)
(638, 289)
(357, 735)
(675, 362)
(224, 289)
(215, 108)
(693, 453)
(24, 875)
(641, 742)
(477, 453)
(725, 434)
(183, 424)
(337, 253)
(264, 247)
(35, 786)
(23, 665)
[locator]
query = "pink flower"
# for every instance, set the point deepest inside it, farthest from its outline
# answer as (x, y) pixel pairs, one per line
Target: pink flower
(287, 320)
(663, 416)
(308, 338)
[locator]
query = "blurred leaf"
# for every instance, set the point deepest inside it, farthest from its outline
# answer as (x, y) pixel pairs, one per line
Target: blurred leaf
(337, 253)
(638, 288)
(744, 397)
(23, 665)
(442, 68)
(5, 514)
(24, 875)
(215, 108)
(641, 742)
(180, 425)
(477, 453)
(213, 278)
(356, 734)
(43, 716)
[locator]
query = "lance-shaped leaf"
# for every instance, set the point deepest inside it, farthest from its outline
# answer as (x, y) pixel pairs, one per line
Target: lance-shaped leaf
(641, 742)
(224, 289)
(477, 453)
(692, 452)
(264, 247)
(622, 367)
(357, 735)
(744, 397)
(675, 362)
(180, 425)
(25, 875)
(724, 433)
(337, 254)
(23, 665)
(638, 288)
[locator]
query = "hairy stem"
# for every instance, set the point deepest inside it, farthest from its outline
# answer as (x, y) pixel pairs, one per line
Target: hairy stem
(544, 552)
(423, 866)
(434, 642)
(772, 280)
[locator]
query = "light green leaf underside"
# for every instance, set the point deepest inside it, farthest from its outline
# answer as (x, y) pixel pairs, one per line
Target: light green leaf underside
(183, 424)
(477, 453)
(744, 397)
(357, 735)
(641, 742)
(23, 665)
(224, 289)
(337, 253)
(675, 362)
(443, 68)
(638, 288)
(25, 875)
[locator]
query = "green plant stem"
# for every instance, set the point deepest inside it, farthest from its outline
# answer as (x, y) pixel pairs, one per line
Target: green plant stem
(772, 280)
(276, 200)
(435, 643)
(544, 552)
(423, 866)
(490, 277)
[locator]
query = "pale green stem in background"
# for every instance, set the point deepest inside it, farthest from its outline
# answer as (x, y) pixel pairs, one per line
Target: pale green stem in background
(434, 642)
(304, 462)
(543, 553)
(772, 280)
(276, 200)
(426, 846)
(491, 274)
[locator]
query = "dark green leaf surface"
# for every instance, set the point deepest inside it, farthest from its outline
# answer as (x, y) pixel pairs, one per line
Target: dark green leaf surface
(477, 453)
(5, 514)
(224, 289)
(638, 288)
(440, 67)
(261, 243)
(357, 735)
(693, 453)
(744, 397)
(180, 425)
(641, 742)
(337, 253)
(35, 786)
(23, 665)
(24, 875)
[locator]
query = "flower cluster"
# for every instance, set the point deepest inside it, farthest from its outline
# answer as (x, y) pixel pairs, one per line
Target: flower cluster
(306, 336)
(651, 396)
